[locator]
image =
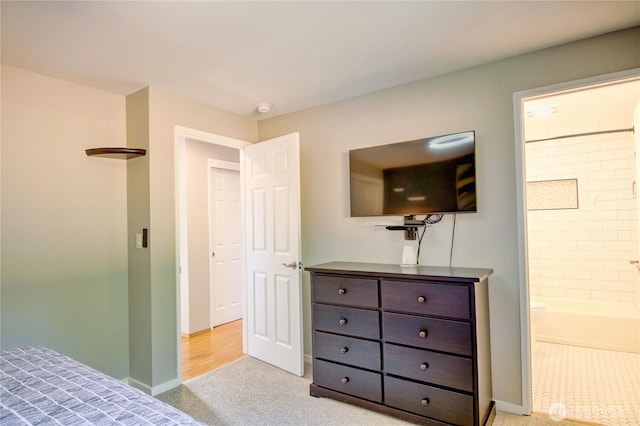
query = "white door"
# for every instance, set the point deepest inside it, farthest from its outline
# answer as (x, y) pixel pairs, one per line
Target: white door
(225, 227)
(273, 271)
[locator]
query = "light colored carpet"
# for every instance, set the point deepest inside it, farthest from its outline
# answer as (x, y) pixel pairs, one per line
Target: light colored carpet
(251, 392)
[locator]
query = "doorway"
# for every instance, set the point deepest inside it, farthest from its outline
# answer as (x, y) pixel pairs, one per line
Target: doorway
(271, 296)
(204, 347)
(579, 239)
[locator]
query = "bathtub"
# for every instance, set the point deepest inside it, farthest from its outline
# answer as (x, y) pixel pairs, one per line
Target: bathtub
(590, 323)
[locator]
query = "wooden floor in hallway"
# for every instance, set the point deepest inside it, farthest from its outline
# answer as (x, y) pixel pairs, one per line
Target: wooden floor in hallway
(211, 349)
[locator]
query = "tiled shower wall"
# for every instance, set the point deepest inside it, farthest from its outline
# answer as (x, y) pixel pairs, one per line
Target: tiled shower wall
(584, 253)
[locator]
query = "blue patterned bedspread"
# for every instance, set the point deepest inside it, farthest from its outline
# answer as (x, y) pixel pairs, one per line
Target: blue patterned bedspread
(39, 386)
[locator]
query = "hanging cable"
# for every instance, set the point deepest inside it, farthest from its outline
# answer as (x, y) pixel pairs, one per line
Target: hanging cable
(420, 244)
(453, 234)
(430, 219)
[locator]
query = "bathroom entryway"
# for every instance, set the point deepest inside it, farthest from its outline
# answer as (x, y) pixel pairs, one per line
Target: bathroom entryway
(582, 244)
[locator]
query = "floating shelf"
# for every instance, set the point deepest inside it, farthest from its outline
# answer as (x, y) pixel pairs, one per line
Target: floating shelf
(118, 153)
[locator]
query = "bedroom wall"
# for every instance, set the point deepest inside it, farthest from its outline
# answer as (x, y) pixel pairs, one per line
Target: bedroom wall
(64, 221)
(69, 221)
(159, 347)
(138, 217)
(480, 99)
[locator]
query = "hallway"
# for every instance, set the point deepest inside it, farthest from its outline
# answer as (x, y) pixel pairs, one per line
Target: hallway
(211, 349)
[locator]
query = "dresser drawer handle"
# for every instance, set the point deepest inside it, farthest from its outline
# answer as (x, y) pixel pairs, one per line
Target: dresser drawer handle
(423, 334)
(342, 321)
(344, 380)
(342, 291)
(422, 299)
(344, 350)
(424, 402)
(424, 366)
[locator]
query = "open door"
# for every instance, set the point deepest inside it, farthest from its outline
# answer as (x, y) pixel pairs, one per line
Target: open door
(273, 270)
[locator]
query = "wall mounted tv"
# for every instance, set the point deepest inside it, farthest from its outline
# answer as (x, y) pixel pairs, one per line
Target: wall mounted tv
(424, 176)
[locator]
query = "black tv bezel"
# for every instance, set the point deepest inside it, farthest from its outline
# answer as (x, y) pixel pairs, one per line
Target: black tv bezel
(416, 213)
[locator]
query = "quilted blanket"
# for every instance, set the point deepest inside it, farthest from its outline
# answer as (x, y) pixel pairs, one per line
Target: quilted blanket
(40, 386)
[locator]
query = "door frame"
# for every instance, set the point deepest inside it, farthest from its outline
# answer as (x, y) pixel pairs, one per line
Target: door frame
(181, 135)
(523, 271)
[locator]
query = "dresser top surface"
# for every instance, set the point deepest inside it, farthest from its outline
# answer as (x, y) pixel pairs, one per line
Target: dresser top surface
(441, 273)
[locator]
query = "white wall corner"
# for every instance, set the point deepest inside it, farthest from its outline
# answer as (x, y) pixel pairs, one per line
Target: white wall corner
(509, 407)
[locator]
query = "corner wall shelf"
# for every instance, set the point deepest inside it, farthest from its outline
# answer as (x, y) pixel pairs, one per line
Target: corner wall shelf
(119, 153)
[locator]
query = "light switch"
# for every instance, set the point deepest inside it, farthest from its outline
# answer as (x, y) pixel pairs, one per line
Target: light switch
(138, 240)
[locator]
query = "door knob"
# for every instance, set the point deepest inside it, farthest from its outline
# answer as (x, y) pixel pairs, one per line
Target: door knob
(292, 265)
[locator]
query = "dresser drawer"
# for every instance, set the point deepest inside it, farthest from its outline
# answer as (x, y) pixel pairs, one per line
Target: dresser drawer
(419, 364)
(440, 404)
(359, 292)
(428, 333)
(450, 301)
(360, 383)
(343, 320)
(347, 350)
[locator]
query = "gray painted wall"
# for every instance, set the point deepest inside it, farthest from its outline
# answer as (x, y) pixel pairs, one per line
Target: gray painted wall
(138, 217)
(64, 221)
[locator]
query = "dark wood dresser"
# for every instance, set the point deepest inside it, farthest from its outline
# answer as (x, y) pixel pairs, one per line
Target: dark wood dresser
(409, 342)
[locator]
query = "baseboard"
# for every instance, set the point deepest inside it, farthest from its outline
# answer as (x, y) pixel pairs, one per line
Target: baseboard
(509, 407)
(165, 386)
(139, 385)
(155, 390)
(196, 333)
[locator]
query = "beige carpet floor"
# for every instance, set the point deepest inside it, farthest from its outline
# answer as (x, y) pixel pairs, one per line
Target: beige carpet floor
(250, 392)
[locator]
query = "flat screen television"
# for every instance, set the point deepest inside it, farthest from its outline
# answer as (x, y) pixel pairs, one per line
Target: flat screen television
(424, 176)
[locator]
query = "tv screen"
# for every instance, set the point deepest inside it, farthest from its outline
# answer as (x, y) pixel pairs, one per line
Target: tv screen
(424, 176)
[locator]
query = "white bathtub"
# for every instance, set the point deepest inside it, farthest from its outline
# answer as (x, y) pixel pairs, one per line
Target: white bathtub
(590, 323)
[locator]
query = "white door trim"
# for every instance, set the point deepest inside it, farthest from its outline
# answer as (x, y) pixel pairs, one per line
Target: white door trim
(221, 164)
(518, 99)
(199, 135)
(181, 134)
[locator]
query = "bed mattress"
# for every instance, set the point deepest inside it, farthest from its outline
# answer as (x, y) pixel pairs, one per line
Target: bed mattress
(41, 386)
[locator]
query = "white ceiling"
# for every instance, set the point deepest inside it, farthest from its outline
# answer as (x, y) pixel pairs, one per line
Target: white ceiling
(294, 55)
(595, 109)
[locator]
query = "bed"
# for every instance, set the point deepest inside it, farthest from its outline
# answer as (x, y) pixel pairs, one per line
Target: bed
(41, 386)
